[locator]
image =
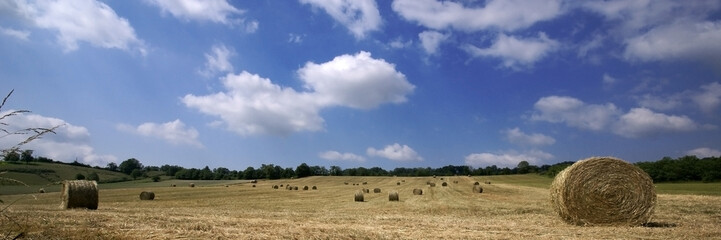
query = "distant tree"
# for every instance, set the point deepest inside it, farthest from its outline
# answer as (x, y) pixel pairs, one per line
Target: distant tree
(27, 156)
(156, 178)
(135, 173)
(112, 167)
(303, 170)
(249, 173)
(129, 165)
(93, 176)
(523, 167)
(79, 176)
(11, 157)
(335, 171)
(288, 173)
(43, 159)
(206, 174)
(221, 173)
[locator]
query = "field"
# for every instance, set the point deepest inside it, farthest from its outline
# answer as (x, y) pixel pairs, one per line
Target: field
(511, 207)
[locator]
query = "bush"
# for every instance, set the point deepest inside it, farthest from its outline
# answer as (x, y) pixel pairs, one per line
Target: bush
(79, 176)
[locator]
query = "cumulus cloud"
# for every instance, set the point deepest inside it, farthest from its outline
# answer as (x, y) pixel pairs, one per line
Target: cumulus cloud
(69, 142)
(19, 34)
(516, 136)
(680, 40)
(704, 152)
(218, 61)
(174, 132)
(506, 15)
(218, 11)
(508, 159)
(642, 122)
(253, 105)
(70, 19)
(709, 98)
(337, 156)
(395, 152)
(516, 52)
(359, 16)
(431, 40)
(574, 112)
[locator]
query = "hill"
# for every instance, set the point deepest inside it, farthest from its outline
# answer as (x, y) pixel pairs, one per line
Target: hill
(39, 174)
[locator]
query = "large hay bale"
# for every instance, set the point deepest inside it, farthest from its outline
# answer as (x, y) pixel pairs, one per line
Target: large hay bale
(393, 197)
(445, 184)
(144, 195)
(358, 196)
(603, 191)
(477, 189)
(376, 190)
(80, 194)
(417, 191)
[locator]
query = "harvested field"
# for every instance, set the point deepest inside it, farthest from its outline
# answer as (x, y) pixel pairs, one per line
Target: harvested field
(504, 210)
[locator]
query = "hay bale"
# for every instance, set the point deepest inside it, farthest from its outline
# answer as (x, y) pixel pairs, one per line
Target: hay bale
(445, 184)
(477, 189)
(314, 188)
(488, 182)
(603, 191)
(393, 197)
(173, 185)
(275, 186)
(358, 196)
(41, 190)
(441, 179)
(432, 184)
(253, 181)
(289, 187)
(403, 180)
(226, 185)
(281, 185)
(192, 184)
(476, 183)
(147, 195)
(305, 188)
(398, 183)
(364, 183)
(417, 191)
(80, 194)
(253, 185)
(376, 190)
(295, 188)
(346, 183)
(455, 182)
(365, 190)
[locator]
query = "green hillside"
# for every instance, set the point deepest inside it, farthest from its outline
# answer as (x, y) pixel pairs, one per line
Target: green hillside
(47, 175)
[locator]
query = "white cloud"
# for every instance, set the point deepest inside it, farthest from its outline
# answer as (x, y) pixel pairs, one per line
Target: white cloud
(704, 152)
(574, 112)
(660, 103)
(507, 15)
(19, 34)
(709, 98)
(608, 81)
(359, 16)
(174, 132)
(642, 122)
(337, 156)
(508, 159)
(395, 152)
(516, 136)
(399, 43)
(217, 61)
(431, 40)
(69, 142)
(357, 81)
(254, 105)
(680, 40)
(218, 11)
(514, 52)
(83, 21)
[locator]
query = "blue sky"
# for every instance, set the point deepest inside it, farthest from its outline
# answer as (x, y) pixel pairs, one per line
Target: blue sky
(402, 83)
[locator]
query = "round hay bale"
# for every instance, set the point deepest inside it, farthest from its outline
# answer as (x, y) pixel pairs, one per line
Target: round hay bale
(403, 180)
(393, 197)
(417, 191)
(314, 188)
(295, 188)
(346, 183)
(147, 195)
(434, 176)
(226, 185)
(398, 183)
(172, 185)
(364, 183)
(455, 182)
(476, 183)
(41, 190)
(253, 185)
(281, 185)
(192, 184)
(358, 196)
(253, 181)
(477, 189)
(603, 191)
(376, 190)
(305, 188)
(445, 184)
(365, 190)
(432, 184)
(80, 194)
(289, 187)
(275, 186)
(441, 179)
(488, 182)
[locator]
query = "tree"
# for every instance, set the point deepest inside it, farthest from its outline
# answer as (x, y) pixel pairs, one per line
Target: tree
(135, 173)
(336, 171)
(27, 156)
(129, 165)
(93, 176)
(8, 130)
(79, 176)
(11, 157)
(523, 167)
(112, 167)
(303, 170)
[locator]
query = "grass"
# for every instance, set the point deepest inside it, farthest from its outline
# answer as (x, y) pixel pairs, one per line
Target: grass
(512, 207)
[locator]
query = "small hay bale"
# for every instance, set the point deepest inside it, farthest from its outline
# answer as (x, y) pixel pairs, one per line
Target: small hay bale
(393, 197)
(305, 188)
(434, 176)
(289, 187)
(441, 179)
(41, 190)
(432, 184)
(295, 188)
(417, 191)
(346, 183)
(253, 185)
(192, 184)
(365, 190)
(364, 183)
(253, 181)
(226, 185)
(488, 182)
(358, 196)
(281, 185)
(477, 189)
(476, 183)
(314, 188)
(398, 183)
(173, 185)
(145, 195)
(603, 191)
(275, 186)
(445, 184)
(376, 190)
(403, 180)
(80, 194)
(455, 182)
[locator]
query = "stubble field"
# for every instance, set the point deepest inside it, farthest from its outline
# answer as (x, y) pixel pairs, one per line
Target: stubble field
(509, 208)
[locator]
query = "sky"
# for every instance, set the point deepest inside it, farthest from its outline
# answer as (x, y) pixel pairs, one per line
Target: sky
(363, 83)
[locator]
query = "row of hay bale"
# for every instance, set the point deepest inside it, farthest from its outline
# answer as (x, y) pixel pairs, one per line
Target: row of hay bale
(392, 196)
(289, 187)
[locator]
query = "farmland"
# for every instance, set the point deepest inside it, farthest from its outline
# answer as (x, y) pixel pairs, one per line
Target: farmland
(515, 206)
